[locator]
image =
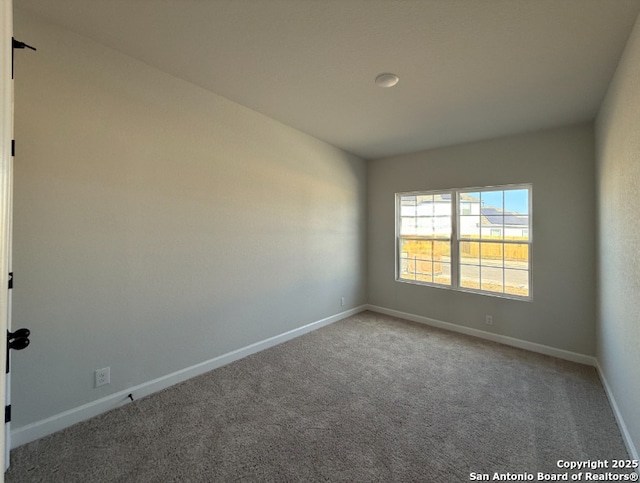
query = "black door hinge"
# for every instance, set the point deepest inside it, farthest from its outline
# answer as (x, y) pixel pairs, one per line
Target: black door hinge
(7, 414)
(16, 44)
(13, 148)
(10, 280)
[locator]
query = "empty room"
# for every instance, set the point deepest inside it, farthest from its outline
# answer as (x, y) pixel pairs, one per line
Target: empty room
(320, 240)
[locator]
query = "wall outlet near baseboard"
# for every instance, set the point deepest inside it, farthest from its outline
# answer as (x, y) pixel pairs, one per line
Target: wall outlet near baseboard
(488, 319)
(342, 301)
(102, 376)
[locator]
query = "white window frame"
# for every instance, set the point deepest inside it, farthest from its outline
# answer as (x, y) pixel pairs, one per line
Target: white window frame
(456, 241)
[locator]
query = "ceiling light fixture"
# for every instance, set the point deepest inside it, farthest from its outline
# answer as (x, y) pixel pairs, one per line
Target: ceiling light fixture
(387, 80)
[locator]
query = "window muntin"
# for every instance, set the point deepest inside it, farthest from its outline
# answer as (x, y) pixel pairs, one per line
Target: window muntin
(467, 239)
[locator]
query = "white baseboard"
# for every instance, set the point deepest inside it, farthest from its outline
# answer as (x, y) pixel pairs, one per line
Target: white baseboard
(39, 429)
(503, 339)
(626, 436)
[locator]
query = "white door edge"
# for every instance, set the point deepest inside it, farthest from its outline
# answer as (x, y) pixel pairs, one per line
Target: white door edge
(6, 169)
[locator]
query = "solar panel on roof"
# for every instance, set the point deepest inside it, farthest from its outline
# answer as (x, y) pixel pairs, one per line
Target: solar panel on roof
(515, 220)
(490, 210)
(496, 217)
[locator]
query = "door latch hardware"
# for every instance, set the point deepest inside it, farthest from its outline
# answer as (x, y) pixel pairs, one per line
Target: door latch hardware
(19, 339)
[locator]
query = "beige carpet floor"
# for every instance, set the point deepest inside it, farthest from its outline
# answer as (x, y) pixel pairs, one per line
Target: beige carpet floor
(369, 398)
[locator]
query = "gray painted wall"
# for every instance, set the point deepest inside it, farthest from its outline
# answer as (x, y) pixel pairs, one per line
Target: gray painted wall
(618, 175)
(560, 164)
(158, 225)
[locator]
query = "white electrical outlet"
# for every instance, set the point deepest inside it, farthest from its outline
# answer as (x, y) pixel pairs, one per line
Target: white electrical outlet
(103, 376)
(342, 301)
(488, 319)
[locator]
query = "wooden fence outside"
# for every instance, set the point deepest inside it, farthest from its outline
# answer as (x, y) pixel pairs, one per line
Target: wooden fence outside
(426, 249)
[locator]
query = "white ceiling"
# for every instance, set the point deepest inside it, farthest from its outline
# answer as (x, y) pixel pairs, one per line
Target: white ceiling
(469, 69)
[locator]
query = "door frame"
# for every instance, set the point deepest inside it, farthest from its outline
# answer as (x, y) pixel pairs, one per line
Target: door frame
(6, 181)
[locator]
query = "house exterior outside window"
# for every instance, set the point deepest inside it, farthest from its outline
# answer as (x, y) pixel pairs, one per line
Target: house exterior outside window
(476, 239)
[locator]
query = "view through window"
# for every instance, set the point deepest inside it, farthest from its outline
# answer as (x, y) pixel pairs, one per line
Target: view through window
(475, 239)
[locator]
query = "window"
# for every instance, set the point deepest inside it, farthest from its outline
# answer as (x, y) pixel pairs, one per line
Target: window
(475, 239)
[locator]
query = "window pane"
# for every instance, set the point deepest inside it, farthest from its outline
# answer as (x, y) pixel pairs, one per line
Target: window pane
(516, 227)
(444, 275)
(442, 226)
(492, 232)
(469, 276)
(424, 205)
(405, 269)
(408, 206)
(471, 201)
(492, 199)
(407, 226)
(442, 204)
(414, 248)
(491, 254)
(469, 226)
(424, 270)
(516, 282)
(429, 269)
(516, 255)
(442, 249)
(415, 268)
(492, 224)
(516, 220)
(470, 253)
(517, 201)
(491, 279)
(424, 226)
